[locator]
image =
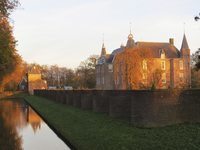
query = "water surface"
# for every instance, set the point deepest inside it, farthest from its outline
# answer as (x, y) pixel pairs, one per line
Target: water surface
(22, 129)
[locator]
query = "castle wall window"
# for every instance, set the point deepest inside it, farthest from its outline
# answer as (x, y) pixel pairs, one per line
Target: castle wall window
(110, 68)
(144, 64)
(102, 69)
(181, 77)
(164, 78)
(144, 77)
(163, 65)
(181, 65)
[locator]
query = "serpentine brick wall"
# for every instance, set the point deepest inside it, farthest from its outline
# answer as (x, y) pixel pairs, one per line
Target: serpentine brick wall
(144, 108)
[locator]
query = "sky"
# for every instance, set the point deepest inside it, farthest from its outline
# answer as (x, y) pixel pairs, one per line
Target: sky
(67, 32)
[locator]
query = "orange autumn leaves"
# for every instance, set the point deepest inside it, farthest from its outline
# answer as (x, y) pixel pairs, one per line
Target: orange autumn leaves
(131, 67)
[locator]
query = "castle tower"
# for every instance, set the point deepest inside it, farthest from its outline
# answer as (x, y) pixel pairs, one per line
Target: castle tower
(185, 53)
(34, 79)
(103, 51)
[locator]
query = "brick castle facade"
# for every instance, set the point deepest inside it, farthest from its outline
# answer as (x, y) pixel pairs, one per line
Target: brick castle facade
(174, 64)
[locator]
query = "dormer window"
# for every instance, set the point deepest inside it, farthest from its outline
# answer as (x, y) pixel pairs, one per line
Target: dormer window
(162, 54)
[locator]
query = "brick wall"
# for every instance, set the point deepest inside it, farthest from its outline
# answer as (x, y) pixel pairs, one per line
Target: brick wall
(144, 108)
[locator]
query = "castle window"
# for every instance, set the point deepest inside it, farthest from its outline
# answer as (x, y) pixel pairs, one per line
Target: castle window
(163, 65)
(103, 80)
(144, 77)
(144, 64)
(110, 68)
(181, 77)
(164, 78)
(102, 68)
(181, 65)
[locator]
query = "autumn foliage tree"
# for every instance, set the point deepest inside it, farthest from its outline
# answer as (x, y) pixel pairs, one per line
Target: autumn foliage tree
(9, 59)
(7, 6)
(131, 67)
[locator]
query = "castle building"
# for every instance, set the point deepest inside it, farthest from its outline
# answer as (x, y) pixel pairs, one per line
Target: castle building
(34, 80)
(173, 63)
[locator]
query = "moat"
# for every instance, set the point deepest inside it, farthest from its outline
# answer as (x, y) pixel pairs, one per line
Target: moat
(21, 129)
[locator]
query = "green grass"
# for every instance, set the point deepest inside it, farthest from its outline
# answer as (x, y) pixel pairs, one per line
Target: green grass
(87, 130)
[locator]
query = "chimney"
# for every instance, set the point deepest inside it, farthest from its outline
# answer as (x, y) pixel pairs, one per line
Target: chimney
(171, 41)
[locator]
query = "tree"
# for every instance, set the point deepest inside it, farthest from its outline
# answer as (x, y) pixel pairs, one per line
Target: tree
(87, 69)
(7, 6)
(9, 58)
(128, 66)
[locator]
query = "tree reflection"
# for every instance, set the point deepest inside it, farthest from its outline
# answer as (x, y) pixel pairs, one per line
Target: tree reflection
(9, 137)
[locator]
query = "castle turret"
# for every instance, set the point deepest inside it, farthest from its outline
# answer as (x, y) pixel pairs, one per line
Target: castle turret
(185, 53)
(130, 42)
(103, 51)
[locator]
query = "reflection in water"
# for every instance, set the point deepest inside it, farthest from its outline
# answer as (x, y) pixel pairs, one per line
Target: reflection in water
(21, 128)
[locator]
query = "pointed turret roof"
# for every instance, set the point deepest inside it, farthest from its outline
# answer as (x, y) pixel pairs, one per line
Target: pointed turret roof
(103, 51)
(130, 42)
(184, 43)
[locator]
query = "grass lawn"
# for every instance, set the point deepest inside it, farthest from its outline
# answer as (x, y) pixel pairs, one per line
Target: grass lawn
(88, 130)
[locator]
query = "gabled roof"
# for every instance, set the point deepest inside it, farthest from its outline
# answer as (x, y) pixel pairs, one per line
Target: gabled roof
(170, 50)
(184, 43)
(35, 70)
(23, 81)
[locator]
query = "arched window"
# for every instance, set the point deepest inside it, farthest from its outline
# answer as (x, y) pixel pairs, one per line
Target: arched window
(163, 65)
